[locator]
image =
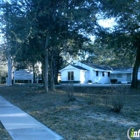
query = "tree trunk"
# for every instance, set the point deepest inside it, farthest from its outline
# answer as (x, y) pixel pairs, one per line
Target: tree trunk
(56, 71)
(52, 74)
(43, 69)
(33, 65)
(134, 83)
(46, 64)
(57, 64)
(9, 78)
(46, 72)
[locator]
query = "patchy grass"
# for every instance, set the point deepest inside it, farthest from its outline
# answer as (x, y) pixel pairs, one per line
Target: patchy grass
(89, 117)
(4, 135)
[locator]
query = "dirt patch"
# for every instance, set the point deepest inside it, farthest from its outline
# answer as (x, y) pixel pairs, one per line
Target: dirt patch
(117, 120)
(87, 118)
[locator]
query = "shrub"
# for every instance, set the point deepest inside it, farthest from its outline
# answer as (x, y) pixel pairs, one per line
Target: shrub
(113, 81)
(116, 100)
(91, 97)
(119, 82)
(67, 82)
(3, 74)
(89, 81)
(69, 89)
(2, 80)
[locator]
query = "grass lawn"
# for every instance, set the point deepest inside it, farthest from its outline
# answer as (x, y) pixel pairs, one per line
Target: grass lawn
(89, 117)
(3, 133)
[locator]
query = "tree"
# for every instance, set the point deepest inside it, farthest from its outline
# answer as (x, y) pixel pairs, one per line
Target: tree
(126, 34)
(55, 25)
(107, 52)
(7, 13)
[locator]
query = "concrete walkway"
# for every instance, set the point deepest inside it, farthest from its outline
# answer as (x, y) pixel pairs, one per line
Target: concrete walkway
(22, 126)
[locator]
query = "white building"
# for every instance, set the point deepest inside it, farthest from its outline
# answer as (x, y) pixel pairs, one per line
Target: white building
(123, 75)
(83, 73)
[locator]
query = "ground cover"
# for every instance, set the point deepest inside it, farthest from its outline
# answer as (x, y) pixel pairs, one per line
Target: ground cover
(89, 117)
(4, 135)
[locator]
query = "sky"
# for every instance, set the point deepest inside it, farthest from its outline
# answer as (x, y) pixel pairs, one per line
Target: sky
(107, 23)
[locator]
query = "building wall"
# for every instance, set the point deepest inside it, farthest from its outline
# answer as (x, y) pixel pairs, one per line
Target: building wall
(122, 77)
(91, 75)
(100, 78)
(64, 73)
(82, 76)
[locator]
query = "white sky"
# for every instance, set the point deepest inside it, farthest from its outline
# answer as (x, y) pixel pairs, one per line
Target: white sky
(107, 23)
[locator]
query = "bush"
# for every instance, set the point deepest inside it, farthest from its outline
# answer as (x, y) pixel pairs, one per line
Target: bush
(2, 80)
(69, 89)
(89, 81)
(116, 100)
(91, 97)
(67, 82)
(113, 81)
(3, 75)
(119, 82)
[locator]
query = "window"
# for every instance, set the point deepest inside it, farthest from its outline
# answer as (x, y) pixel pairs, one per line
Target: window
(128, 76)
(103, 74)
(97, 73)
(108, 74)
(70, 75)
(119, 75)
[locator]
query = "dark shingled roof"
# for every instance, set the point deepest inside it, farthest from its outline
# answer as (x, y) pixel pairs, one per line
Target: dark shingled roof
(103, 67)
(79, 67)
